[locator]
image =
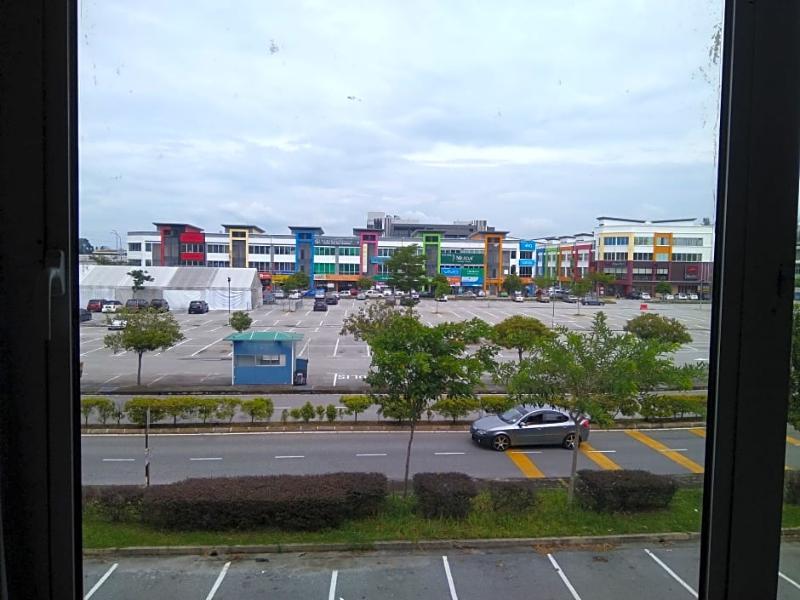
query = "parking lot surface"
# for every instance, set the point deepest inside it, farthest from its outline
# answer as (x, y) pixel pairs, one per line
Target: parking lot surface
(336, 362)
(657, 572)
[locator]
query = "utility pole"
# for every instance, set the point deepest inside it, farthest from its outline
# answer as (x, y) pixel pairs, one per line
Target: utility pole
(229, 299)
(147, 448)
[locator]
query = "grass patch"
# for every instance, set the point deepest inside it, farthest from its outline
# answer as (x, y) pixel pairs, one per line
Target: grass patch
(397, 521)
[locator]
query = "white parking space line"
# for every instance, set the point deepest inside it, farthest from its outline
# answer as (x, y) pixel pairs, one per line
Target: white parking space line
(157, 379)
(291, 456)
(207, 322)
(178, 344)
(124, 352)
(601, 451)
(101, 581)
(308, 312)
(373, 454)
(336, 347)
(207, 458)
(218, 582)
(675, 450)
(321, 323)
(299, 323)
(792, 581)
(335, 377)
(215, 329)
(527, 451)
(672, 573)
(276, 322)
(450, 583)
(563, 578)
(332, 588)
(303, 351)
(207, 346)
(119, 459)
(110, 379)
(90, 351)
(447, 453)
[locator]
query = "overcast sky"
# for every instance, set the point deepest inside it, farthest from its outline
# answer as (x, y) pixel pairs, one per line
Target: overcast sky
(536, 115)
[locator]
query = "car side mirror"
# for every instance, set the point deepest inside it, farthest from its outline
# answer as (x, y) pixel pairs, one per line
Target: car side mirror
(520, 424)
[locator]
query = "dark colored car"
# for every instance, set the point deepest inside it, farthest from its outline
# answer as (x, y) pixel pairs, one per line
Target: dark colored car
(95, 304)
(529, 425)
(198, 307)
(408, 301)
(331, 300)
(320, 304)
(634, 296)
(84, 315)
(591, 301)
(159, 304)
(135, 304)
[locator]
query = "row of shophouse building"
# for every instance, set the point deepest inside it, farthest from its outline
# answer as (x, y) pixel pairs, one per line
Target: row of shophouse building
(472, 255)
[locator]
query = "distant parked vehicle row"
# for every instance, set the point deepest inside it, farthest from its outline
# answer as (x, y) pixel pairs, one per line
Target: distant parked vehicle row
(198, 307)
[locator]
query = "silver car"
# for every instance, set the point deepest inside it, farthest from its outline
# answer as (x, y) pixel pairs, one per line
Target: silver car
(526, 425)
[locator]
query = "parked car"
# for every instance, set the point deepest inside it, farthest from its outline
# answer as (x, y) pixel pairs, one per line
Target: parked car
(527, 425)
(117, 324)
(572, 299)
(399, 293)
(95, 304)
(159, 304)
(543, 298)
(669, 297)
(390, 300)
(683, 297)
(198, 307)
(645, 296)
(361, 296)
(468, 294)
(320, 305)
(84, 315)
(279, 294)
(408, 301)
(331, 299)
(371, 293)
(354, 292)
(634, 295)
(111, 306)
(135, 304)
(295, 295)
(442, 298)
(591, 301)
(415, 294)
(693, 297)
(481, 294)
(519, 298)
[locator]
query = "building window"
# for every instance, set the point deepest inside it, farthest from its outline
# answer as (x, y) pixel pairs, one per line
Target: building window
(192, 248)
(219, 248)
(271, 360)
(148, 246)
(134, 263)
(148, 263)
(662, 240)
(218, 263)
(682, 241)
(615, 256)
(135, 247)
(348, 251)
(348, 269)
(526, 271)
(642, 256)
(616, 241)
(324, 268)
(324, 250)
(386, 251)
(261, 266)
(662, 257)
(284, 249)
(687, 257)
(239, 234)
(256, 249)
(513, 254)
(643, 241)
(283, 267)
(525, 254)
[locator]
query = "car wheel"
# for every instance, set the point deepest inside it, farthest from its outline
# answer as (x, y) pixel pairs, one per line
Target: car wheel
(569, 441)
(501, 442)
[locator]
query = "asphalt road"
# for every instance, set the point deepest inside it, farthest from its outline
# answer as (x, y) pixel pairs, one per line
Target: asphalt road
(118, 459)
(204, 358)
(666, 572)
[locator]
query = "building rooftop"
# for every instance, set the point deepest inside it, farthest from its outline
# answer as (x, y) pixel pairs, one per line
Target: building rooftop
(264, 336)
(251, 228)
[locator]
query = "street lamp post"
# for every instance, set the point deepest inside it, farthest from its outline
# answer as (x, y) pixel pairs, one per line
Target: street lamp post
(229, 298)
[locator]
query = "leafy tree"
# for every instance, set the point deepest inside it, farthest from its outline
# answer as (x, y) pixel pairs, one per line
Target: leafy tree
(597, 279)
(519, 333)
(240, 320)
(307, 412)
(651, 326)
(145, 331)
(406, 269)
(662, 287)
(207, 407)
(356, 403)
(413, 365)
(455, 407)
(139, 276)
(136, 409)
(179, 407)
(496, 404)
(284, 416)
(226, 409)
(296, 281)
(365, 283)
(580, 289)
(258, 408)
(368, 320)
(544, 281)
(297, 415)
(512, 283)
(88, 406)
(331, 413)
(105, 409)
(320, 410)
(99, 259)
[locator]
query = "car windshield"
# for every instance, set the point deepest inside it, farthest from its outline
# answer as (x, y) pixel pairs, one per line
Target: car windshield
(510, 416)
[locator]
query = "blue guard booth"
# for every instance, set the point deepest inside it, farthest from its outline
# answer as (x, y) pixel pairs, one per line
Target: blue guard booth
(267, 357)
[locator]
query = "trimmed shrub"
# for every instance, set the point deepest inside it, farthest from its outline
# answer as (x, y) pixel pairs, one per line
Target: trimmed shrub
(658, 406)
(320, 410)
(624, 491)
(331, 413)
(511, 496)
(226, 409)
(260, 408)
(295, 502)
(115, 502)
(791, 486)
(136, 409)
(355, 403)
(455, 408)
(496, 404)
(444, 494)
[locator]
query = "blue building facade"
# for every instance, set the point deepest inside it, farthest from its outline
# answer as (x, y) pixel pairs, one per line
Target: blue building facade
(267, 357)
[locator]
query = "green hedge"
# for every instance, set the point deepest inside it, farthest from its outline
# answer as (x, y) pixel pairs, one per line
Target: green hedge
(659, 406)
(511, 496)
(446, 495)
(115, 502)
(294, 502)
(791, 485)
(623, 491)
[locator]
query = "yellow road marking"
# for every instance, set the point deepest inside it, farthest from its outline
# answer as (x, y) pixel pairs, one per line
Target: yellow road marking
(598, 458)
(662, 449)
(792, 441)
(525, 465)
(698, 431)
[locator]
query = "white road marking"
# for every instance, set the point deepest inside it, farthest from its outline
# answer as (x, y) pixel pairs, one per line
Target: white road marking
(213, 330)
(276, 322)
(447, 453)
(375, 454)
(563, 577)
(308, 312)
(101, 581)
(90, 351)
(291, 456)
(207, 346)
(675, 450)
(178, 344)
(159, 378)
(450, 584)
(124, 352)
(369, 352)
(335, 377)
(119, 459)
(110, 379)
(304, 348)
(218, 582)
(321, 322)
(207, 458)
(316, 330)
(254, 322)
(298, 323)
(336, 348)
(332, 589)
(601, 451)
(527, 451)
(671, 573)
(792, 581)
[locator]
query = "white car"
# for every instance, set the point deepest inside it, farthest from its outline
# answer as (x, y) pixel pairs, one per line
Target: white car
(295, 296)
(415, 294)
(441, 299)
(111, 306)
(669, 297)
(646, 296)
(693, 297)
(683, 297)
(373, 294)
(279, 294)
(117, 324)
(399, 293)
(518, 298)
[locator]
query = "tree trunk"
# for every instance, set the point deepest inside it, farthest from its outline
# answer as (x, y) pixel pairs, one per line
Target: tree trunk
(355, 416)
(574, 469)
(408, 457)
(139, 370)
(520, 354)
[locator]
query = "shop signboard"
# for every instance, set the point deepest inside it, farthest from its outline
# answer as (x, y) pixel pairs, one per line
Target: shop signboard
(527, 245)
(379, 260)
(454, 280)
(451, 271)
(692, 272)
(527, 262)
(472, 276)
(462, 259)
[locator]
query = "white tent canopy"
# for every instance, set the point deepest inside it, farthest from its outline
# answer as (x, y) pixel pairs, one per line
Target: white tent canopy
(177, 285)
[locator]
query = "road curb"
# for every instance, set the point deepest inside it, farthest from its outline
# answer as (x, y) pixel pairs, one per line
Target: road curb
(406, 546)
